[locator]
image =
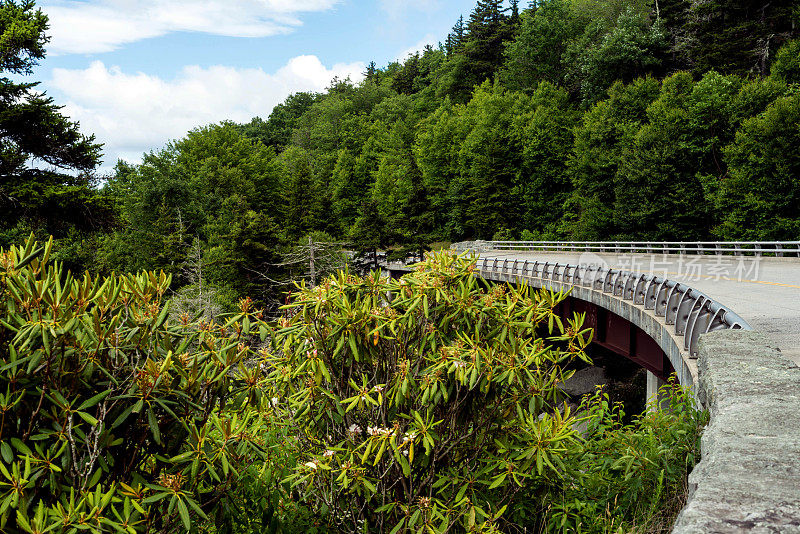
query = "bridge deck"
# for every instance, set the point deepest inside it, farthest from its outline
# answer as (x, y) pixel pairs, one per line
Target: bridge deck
(763, 291)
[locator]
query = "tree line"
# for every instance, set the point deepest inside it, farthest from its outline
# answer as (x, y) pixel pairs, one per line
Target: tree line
(562, 119)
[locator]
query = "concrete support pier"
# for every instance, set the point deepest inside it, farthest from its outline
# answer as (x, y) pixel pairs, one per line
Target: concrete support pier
(653, 392)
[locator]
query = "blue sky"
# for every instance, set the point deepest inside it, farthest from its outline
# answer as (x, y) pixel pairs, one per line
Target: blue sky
(138, 73)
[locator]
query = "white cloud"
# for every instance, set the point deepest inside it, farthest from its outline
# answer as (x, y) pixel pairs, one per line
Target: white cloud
(429, 39)
(95, 26)
(135, 113)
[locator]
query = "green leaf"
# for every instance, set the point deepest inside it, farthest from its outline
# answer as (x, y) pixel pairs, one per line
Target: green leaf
(29, 258)
(88, 418)
(196, 508)
(498, 480)
(184, 512)
(151, 420)
(21, 447)
(94, 400)
(121, 418)
(398, 526)
(162, 316)
(6, 452)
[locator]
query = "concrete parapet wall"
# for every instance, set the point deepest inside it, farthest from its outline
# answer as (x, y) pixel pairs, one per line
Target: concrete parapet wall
(748, 479)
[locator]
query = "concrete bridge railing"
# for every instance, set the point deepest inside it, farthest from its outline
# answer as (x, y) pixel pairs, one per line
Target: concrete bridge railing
(690, 312)
(737, 248)
(748, 477)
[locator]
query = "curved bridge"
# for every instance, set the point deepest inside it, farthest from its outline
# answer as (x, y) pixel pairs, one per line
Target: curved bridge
(706, 286)
(670, 306)
(652, 320)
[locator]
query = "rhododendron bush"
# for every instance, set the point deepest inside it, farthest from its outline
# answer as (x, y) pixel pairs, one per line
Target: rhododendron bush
(424, 404)
(116, 417)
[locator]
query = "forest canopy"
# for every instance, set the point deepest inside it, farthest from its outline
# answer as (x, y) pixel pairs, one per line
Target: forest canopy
(561, 119)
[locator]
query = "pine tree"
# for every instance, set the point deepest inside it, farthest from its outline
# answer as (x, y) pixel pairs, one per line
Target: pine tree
(487, 29)
(298, 194)
(403, 81)
(738, 36)
(456, 37)
(371, 74)
(514, 19)
(673, 15)
(417, 217)
(32, 128)
(369, 233)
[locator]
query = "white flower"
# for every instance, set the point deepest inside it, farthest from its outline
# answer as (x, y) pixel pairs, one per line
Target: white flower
(354, 429)
(328, 453)
(378, 431)
(311, 465)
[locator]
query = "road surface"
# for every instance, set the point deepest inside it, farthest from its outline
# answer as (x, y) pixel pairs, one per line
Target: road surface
(765, 292)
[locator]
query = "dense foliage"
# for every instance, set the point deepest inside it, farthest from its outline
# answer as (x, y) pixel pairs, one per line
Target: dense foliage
(620, 119)
(432, 404)
(426, 403)
(116, 418)
(627, 478)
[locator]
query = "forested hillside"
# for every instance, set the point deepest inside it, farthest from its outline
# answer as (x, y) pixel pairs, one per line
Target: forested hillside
(573, 119)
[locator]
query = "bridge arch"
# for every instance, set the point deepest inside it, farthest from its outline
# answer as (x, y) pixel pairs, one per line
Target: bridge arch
(654, 321)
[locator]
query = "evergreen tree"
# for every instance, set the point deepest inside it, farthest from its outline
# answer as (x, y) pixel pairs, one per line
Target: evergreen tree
(436, 150)
(33, 129)
(760, 196)
(243, 254)
(601, 139)
(545, 132)
(276, 131)
(489, 164)
(536, 52)
(487, 30)
(632, 48)
(404, 81)
(787, 63)
(674, 15)
(668, 177)
(371, 74)
(739, 36)
(298, 194)
(456, 37)
(417, 218)
(369, 233)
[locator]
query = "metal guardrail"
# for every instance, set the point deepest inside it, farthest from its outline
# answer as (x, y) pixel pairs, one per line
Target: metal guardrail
(736, 248)
(692, 312)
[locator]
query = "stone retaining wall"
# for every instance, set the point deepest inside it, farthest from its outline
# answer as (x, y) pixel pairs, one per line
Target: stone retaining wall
(748, 478)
